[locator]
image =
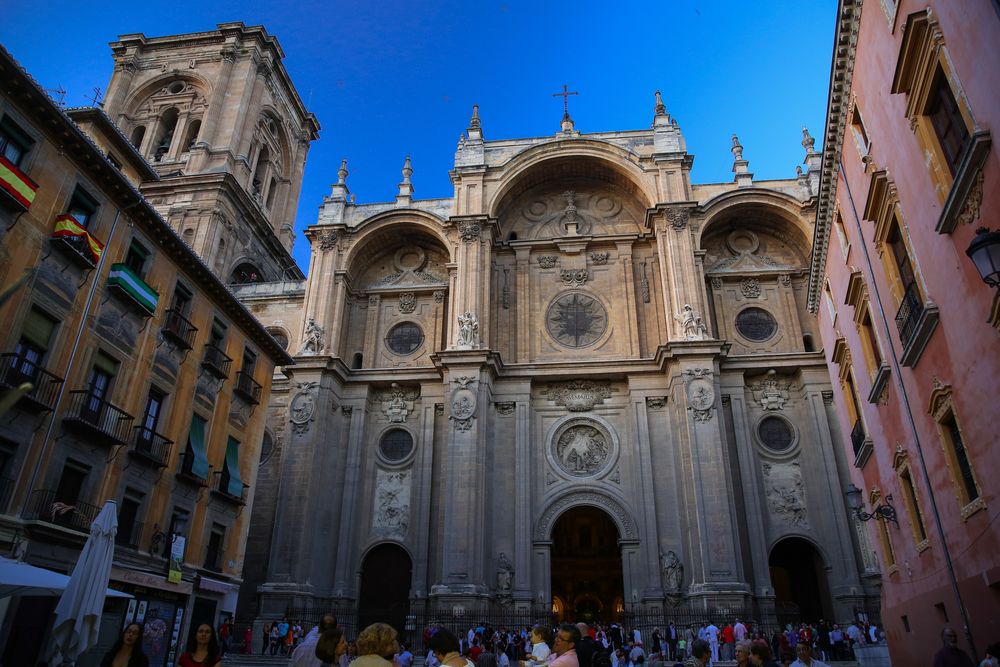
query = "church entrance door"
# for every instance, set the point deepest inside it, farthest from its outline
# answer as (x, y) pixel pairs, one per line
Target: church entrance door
(385, 587)
(798, 576)
(587, 579)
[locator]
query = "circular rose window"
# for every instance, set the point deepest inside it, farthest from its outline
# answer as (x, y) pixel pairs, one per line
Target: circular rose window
(404, 338)
(775, 433)
(396, 445)
(756, 324)
(576, 319)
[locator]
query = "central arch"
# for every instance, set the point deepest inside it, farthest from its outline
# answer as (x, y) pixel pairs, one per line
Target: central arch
(384, 597)
(587, 576)
(798, 576)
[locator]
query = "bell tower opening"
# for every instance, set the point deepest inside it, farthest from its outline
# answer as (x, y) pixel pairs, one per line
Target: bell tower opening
(587, 575)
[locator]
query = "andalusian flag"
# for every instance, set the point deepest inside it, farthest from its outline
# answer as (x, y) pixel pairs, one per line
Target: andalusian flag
(122, 277)
(68, 228)
(16, 184)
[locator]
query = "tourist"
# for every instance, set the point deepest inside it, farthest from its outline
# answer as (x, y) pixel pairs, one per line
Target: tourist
(742, 652)
(700, 654)
(446, 649)
(728, 641)
(127, 650)
(739, 631)
(803, 652)
(266, 636)
(539, 646)
(950, 654)
(760, 656)
(224, 630)
(203, 648)
(404, 658)
(376, 646)
(331, 647)
(586, 647)
(564, 646)
(712, 634)
(304, 654)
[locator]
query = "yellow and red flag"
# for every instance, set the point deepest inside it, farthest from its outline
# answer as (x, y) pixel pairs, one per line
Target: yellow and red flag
(15, 183)
(67, 227)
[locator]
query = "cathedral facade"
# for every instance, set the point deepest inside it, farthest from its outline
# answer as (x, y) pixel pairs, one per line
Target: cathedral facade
(582, 381)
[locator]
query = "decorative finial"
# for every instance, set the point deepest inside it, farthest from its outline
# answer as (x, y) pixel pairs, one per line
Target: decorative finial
(737, 148)
(474, 121)
(660, 109)
(405, 195)
(407, 170)
(807, 141)
(342, 173)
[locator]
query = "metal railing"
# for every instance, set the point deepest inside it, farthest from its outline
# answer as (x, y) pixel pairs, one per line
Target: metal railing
(44, 505)
(97, 417)
(179, 329)
(151, 445)
(247, 387)
(858, 437)
(216, 361)
(910, 310)
(16, 369)
(222, 488)
(128, 535)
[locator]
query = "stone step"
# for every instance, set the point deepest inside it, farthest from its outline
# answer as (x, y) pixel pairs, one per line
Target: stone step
(239, 660)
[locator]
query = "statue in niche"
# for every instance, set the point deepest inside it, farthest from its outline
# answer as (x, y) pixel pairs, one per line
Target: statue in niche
(505, 575)
(468, 330)
(693, 326)
(672, 570)
(313, 343)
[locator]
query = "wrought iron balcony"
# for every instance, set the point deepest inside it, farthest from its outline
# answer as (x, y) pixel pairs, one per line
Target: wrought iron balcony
(222, 490)
(16, 369)
(97, 418)
(76, 242)
(216, 361)
(128, 534)
(44, 505)
(247, 387)
(150, 446)
(858, 437)
(185, 471)
(178, 329)
(910, 310)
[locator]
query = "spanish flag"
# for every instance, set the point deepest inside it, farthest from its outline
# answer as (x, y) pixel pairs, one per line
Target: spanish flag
(68, 228)
(16, 184)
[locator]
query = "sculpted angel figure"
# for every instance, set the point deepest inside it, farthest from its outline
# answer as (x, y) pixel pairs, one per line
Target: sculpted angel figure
(468, 330)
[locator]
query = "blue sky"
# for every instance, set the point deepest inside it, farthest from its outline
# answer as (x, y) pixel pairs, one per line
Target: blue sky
(388, 79)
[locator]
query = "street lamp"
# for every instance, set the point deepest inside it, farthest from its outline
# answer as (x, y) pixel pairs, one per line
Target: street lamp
(885, 512)
(984, 251)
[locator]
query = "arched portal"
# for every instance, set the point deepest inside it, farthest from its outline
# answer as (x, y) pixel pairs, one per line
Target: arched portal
(385, 587)
(586, 560)
(798, 576)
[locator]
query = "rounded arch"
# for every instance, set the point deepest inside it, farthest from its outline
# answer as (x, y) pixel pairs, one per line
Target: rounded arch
(756, 206)
(382, 542)
(270, 120)
(805, 538)
(621, 516)
(245, 271)
(139, 96)
(386, 576)
(798, 569)
(619, 166)
(383, 230)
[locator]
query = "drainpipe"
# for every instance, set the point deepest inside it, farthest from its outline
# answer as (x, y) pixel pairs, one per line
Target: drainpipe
(72, 356)
(910, 420)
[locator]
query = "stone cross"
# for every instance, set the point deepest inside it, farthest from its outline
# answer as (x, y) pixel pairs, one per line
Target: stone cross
(565, 95)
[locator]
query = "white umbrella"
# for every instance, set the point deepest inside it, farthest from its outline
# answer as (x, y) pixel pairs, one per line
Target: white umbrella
(17, 578)
(78, 614)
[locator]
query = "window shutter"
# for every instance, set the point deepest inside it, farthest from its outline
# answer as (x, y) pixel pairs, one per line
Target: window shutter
(38, 328)
(105, 364)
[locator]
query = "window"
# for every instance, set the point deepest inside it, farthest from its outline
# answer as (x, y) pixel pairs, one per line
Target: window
(150, 418)
(196, 456)
(71, 481)
(266, 447)
(404, 338)
(165, 138)
(102, 373)
(775, 433)
(216, 546)
(36, 335)
(179, 520)
(860, 442)
(869, 341)
(279, 336)
(946, 119)
(137, 136)
(883, 532)
(129, 528)
(217, 336)
(838, 225)
(857, 297)
(182, 300)
(82, 207)
(968, 490)
(396, 445)
(859, 131)
(14, 143)
(756, 324)
(910, 498)
(956, 454)
(828, 298)
(192, 134)
(136, 258)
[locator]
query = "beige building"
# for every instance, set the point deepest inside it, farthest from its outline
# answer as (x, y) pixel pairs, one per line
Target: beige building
(581, 357)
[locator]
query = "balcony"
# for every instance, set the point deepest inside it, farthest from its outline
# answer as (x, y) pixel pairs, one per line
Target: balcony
(186, 474)
(248, 388)
(216, 362)
(916, 321)
(150, 446)
(861, 443)
(221, 491)
(129, 534)
(97, 418)
(73, 240)
(178, 329)
(15, 186)
(43, 505)
(132, 289)
(16, 369)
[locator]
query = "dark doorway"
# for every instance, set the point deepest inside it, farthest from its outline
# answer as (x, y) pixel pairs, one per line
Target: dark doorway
(31, 621)
(587, 581)
(798, 576)
(385, 588)
(203, 611)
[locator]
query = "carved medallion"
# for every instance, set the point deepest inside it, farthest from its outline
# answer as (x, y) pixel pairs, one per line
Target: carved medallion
(576, 320)
(469, 231)
(750, 288)
(407, 302)
(327, 240)
(701, 393)
(301, 411)
(581, 449)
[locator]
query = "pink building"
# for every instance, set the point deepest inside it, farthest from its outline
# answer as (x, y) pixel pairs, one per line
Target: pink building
(908, 323)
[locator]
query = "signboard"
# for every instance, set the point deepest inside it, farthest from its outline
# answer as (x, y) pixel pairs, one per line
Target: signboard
(176, 558)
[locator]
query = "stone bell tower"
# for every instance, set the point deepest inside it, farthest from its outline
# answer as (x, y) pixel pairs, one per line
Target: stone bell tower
(218, 117)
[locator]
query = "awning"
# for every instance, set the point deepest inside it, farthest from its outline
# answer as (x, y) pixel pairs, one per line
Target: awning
(233, 466)
(196, 442)
(17, 578)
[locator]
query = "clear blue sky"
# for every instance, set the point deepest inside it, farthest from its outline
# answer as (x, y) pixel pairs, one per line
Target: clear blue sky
(392, 78)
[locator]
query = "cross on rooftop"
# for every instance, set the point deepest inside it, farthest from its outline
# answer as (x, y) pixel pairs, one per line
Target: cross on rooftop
(565, 95)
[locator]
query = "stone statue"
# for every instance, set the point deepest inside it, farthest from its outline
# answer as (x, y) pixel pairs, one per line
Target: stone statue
(692, 324)
(468, 330)
(313, 343)
(672, 570)
(505, 574)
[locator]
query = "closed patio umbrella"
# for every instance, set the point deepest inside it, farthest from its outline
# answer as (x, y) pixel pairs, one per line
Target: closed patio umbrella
(78, 614)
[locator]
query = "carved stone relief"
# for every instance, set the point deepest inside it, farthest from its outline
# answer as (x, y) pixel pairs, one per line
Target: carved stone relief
(505, 408)
(547, 261)
(468, 331)
(771, 392)
(313, 342)
(469, 231)
(678, 218)
(576, 319)
(599, 258)
(740, 252)
(570, 213)
(391, 515)
(624, 520)
(692, 326)
(397, 402)
(700, 393)
(750, 288)
(579, 395)
(574, 277)
(327, 240)
(655, 402)
(582, 447)
(303, 406)
(407, 302)
(462, 405)
(785, 491)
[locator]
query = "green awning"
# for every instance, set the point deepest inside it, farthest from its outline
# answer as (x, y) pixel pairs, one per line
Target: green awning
(235, 487)
(196, 443)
